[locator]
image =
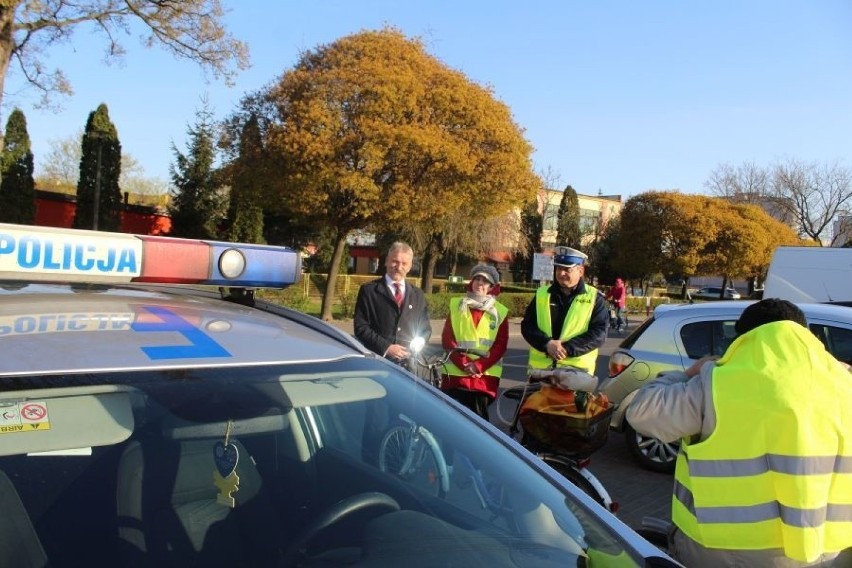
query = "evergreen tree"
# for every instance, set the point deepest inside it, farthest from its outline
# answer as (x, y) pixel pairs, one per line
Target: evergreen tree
(17, 188)
(568, 220)
(197, 205)
(100, 168)
(245, 212)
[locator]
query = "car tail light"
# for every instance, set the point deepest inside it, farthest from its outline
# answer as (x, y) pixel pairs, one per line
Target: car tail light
(618, 362)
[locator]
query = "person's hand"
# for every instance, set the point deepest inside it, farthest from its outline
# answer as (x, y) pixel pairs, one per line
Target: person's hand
(556, 350)
(695, 368)
(397, 352)
(471, 369)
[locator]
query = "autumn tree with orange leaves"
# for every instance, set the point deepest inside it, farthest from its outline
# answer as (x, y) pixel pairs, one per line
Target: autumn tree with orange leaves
(372, 132)
(694, 235)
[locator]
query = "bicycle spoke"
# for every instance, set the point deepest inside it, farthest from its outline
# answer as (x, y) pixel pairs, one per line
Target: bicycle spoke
(395, 450)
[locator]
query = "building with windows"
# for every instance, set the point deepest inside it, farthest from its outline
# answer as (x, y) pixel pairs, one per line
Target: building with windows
(842, 230)
(595, 212)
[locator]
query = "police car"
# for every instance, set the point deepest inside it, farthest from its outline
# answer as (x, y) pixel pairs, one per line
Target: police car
(147, 423)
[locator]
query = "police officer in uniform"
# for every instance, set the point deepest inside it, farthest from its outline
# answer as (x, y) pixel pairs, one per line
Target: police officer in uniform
(567, 322)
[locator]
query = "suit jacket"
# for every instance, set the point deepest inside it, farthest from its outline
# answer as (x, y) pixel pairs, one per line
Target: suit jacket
(379, 323)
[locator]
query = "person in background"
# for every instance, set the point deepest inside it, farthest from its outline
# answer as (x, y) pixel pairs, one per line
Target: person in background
(618, 296)
(389, 313)
(764, 472)
(566, 322)
(476, 321)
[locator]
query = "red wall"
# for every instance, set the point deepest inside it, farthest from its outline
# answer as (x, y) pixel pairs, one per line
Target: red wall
(57, 210)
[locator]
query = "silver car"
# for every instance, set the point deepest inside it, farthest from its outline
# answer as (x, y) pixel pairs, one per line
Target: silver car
(714, 293)
(674, 337)
(144, 424)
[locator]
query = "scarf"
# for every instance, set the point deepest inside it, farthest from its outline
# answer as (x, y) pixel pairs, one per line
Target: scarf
(483, 303)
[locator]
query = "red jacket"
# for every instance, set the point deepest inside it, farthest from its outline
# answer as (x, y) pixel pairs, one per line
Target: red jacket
(483, 382)
(618, 293)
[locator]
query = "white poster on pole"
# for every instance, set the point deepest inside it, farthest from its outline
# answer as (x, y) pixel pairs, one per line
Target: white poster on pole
(542, 267)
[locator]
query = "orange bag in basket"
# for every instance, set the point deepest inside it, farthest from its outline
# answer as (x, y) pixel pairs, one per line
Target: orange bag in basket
(551, 418)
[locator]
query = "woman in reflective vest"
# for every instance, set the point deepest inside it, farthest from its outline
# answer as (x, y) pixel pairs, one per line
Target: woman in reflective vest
(476, 321)
(567, 322)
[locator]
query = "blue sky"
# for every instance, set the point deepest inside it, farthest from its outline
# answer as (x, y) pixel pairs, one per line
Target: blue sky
(618, 97)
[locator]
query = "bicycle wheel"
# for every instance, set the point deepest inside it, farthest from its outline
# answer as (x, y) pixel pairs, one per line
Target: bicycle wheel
(572, 474)
(411, 459)
(507, 404)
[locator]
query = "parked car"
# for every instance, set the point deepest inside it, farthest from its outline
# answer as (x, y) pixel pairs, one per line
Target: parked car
(146, 424)
(714, 293)
(674, 337)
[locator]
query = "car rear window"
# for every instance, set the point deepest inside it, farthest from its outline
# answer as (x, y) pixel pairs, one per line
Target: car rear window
(637, 333)
(707, 338)
(837, 340)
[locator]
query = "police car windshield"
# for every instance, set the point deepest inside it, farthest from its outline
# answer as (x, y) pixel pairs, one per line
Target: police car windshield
(342, 424)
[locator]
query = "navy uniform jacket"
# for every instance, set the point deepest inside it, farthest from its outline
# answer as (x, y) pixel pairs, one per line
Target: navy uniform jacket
(559, 304)
(379, 323)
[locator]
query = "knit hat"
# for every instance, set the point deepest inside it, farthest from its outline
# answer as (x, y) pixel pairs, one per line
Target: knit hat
(487, 271)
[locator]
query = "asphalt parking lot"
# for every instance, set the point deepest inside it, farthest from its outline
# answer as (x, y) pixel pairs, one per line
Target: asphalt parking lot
(639, 492)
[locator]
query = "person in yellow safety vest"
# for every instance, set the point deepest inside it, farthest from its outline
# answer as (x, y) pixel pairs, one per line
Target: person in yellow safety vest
(476, 321)
(567, 322)
(764, 472)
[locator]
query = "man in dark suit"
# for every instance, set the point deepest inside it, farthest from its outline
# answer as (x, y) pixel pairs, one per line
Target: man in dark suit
(389, 313)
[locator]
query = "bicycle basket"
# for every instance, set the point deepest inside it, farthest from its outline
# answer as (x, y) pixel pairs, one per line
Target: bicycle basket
(551, 419)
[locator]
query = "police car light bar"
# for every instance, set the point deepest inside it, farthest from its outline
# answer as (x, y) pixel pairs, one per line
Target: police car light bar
(77, 256)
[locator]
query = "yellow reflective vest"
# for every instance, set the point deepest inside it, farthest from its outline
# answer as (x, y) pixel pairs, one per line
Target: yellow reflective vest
(776, 473)
(480, 337)
(576, 323)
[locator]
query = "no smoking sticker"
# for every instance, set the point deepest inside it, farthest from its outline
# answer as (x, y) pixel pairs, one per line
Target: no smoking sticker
(27, 416)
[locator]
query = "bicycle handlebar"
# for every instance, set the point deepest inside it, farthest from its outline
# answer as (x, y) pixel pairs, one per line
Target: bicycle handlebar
(567, 378)
(442, 360)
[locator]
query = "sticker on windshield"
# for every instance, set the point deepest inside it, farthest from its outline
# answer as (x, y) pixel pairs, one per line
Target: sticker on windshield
(29, 416)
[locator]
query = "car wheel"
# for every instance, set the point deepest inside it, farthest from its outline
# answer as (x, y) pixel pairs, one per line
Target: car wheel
(651, 453)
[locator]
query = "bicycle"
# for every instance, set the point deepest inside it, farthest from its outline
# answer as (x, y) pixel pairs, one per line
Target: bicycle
(571, 464)
(412, 452)
(613, 318)
(433, 367)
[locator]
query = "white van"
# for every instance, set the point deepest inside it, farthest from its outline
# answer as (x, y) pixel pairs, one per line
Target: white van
(810, 274)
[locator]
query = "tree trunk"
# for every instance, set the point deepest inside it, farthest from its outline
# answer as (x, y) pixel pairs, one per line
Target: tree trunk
(427, 267)
(724, 287)
(333, 270)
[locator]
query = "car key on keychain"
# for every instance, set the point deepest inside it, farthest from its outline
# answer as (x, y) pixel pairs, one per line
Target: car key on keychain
(226, 456)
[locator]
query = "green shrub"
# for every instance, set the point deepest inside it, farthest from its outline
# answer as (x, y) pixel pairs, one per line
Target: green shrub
(347, 304)
(439, 304)
(292, 297)
(637, 304)
(516, 302)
